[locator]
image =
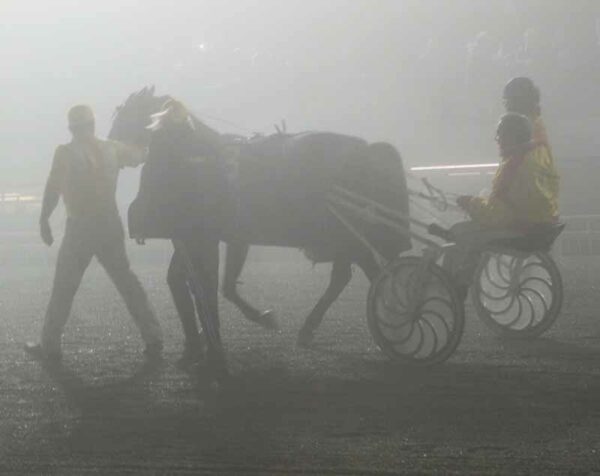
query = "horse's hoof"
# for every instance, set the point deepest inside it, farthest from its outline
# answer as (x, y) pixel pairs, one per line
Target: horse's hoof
(217, 367)
(305, 338)
(268, 320)
(190, 356)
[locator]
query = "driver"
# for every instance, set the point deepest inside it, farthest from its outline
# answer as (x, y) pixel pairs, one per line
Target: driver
(526, 187)
(524, 195)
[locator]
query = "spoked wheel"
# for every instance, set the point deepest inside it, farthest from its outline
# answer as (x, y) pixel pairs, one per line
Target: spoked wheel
(414, 313)
(517, 295)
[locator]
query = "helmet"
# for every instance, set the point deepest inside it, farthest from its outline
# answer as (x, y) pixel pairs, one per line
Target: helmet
(516, 127)
(523, 89)
(80, 115)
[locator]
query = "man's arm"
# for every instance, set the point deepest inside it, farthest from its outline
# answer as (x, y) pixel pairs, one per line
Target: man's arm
(52, 195)
(130, 155)
(492, 211)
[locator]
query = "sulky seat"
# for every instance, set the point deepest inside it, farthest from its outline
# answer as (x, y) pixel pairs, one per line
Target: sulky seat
(540, 237)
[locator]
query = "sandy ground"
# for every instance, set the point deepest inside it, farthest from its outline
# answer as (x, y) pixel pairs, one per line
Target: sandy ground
(496, 407)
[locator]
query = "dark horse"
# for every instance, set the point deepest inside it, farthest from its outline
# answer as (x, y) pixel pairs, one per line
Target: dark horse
(268, 191)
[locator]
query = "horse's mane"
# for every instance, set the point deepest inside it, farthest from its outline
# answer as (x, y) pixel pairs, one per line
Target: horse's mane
(206, 134)
(173, 109)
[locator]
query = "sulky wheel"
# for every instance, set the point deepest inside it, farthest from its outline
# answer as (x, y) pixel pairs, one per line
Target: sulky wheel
(517, 295)
(414, 313)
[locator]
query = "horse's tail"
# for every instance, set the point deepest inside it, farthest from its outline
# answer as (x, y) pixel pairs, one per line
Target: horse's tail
(390, 188)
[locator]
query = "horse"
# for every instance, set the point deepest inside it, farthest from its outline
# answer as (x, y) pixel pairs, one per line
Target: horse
(268, 191)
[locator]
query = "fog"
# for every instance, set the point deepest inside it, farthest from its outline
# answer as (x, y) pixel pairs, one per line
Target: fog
(423, 75)
(291, 362)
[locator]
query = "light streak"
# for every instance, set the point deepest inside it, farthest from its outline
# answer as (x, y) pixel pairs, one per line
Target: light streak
(430, 168)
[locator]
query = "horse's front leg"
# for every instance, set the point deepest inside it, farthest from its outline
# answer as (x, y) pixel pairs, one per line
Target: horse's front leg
(177, 279)
(235, 258)
(202, 263)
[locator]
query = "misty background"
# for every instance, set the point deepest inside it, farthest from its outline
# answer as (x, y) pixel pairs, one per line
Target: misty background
(425, 75)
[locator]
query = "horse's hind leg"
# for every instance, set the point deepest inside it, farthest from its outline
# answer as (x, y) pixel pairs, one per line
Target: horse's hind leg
(235, 259)
(341, 273)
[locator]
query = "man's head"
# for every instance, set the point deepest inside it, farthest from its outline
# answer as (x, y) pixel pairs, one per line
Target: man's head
(522, 96)
(514, 133)
(82, 122)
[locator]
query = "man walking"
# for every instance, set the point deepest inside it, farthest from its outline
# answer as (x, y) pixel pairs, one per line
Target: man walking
(84, 172)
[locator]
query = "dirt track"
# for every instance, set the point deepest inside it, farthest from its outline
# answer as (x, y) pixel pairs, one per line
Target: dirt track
(495, 407)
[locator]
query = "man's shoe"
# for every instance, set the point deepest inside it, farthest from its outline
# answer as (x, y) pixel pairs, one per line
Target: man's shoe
(153, 352)
(38, 353)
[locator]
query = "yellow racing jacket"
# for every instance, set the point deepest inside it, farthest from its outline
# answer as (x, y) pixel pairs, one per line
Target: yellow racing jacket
(525, 188)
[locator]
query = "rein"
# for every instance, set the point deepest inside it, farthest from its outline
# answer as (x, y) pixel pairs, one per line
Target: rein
(437, 197)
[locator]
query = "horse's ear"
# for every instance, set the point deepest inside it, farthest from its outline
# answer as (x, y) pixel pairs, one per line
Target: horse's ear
(130, 98)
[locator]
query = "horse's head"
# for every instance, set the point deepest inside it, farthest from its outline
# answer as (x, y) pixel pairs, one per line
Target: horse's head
(131, 119)
(172, 176)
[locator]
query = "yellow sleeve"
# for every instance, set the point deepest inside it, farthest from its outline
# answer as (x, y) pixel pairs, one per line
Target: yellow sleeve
(492, 212)
(536, 188)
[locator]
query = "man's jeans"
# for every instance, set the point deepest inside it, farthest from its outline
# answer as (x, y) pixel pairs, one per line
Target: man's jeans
(105, 240)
